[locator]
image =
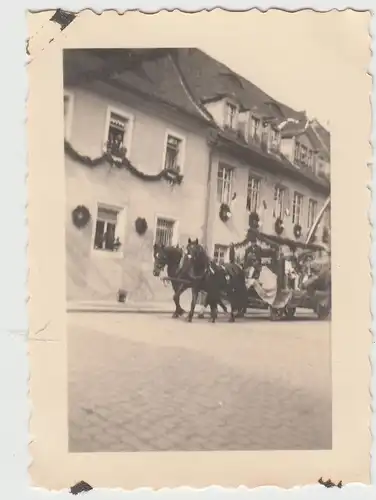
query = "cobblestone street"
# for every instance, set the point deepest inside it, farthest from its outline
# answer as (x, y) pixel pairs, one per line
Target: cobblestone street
(140, 382)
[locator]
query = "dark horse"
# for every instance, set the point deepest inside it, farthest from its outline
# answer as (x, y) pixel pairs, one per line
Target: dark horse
(171, 256)
(226, 281)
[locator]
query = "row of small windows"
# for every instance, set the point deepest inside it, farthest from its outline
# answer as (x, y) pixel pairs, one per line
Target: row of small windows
(281, 202)
(269, 137)
(109, 229)
(118, 137)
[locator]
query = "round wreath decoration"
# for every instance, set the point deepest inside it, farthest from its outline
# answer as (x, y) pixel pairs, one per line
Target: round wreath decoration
(297, 231)
(325, 235)
(279, 226)
(81, 216)
(254, 220)
(224, 212)
(141, 226)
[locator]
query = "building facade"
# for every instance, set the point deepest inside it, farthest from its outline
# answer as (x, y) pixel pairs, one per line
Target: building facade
(180, 111)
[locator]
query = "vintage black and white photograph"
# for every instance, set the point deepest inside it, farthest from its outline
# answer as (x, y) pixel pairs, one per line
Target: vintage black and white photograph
(192, 177)
(198, 259)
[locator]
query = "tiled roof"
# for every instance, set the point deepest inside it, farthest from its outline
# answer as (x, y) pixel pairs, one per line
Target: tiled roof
(323, 134)
(208, 78)
(154, 77)
(205, 78)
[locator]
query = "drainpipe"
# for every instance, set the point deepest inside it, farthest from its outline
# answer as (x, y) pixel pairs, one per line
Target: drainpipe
(212, 142)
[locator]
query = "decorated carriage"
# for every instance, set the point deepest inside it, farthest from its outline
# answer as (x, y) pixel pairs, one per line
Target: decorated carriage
(285, 274)
(273, 272)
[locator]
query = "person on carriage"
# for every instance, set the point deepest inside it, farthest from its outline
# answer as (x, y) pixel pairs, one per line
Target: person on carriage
(253, 262)
(292, 271)
(320, 278)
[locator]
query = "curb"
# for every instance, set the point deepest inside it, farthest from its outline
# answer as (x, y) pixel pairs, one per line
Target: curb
(129, 310)
(135, 310)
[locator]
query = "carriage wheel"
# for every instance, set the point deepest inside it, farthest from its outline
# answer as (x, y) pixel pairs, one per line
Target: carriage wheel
(323, 312)
(276, 314)
(290, 312)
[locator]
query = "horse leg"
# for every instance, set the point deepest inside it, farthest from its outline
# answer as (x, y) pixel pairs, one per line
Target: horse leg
(222, 306)
(241, 293)
(232, 313)
(232, 306)
(193, 304)
(178, 310)
(201, 314)
(183, 288)
(213, 311)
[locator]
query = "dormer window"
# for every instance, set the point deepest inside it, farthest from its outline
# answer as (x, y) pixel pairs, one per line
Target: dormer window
(304, 155)
(275, 137)
(265, 137)
(297, 152)
(311, 160)
(255, 128)
(231, 114)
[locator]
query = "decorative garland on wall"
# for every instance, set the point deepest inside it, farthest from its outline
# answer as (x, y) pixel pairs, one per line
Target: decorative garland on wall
(279, 226)
(81, 216)
(273, 241)
(170, 175)
(224, 212)
(141, 226)
(297, 231)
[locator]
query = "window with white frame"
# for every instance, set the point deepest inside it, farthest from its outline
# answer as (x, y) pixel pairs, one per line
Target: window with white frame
(304, 155)
(280, 200)
(297, 151)
(253, 193)
(311, 159)
(297, 208)
(265, 136)
(224, 184)
(312, 212)
(118, 128)
(220, 253)
(275, 136)
(231, 114)
(255, 128)
(173, 153)
(165, 231)
(106, 229)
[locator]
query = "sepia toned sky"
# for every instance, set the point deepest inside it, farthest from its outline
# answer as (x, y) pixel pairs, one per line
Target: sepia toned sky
(299, 59)
(303, 58)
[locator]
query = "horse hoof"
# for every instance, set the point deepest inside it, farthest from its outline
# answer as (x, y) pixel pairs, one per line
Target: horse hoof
(175, 315)
(181, 313)
(201, 315)
(231, 320)
(189, 320)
